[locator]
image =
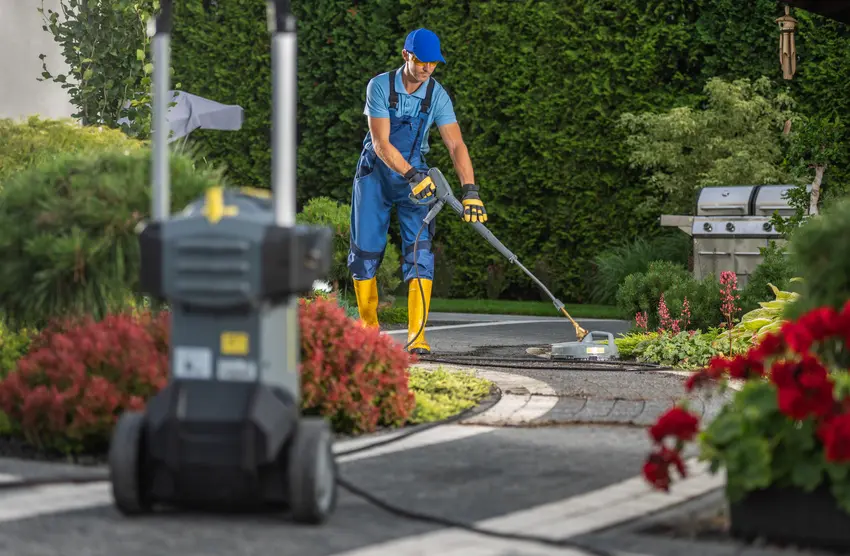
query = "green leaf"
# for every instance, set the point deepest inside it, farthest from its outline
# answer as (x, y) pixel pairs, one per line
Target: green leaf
(748, 464)
(149, 68)
(140, 55)
(841, 492)
(755, 324)
(807, 473)
(775, 304)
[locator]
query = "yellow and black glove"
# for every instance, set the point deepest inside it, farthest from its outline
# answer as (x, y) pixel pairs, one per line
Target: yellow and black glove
(421, 185)
(473, 208)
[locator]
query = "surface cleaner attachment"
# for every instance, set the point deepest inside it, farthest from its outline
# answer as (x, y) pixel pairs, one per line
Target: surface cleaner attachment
(587, 349)
(226, 430)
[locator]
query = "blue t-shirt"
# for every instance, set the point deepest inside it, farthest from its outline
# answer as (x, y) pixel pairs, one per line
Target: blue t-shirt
(378, 103)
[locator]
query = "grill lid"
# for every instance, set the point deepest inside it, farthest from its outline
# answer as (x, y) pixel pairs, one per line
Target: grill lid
(770, 198)
(725, 200)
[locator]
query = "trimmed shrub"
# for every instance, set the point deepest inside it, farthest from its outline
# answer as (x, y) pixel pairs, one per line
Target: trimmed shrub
(28, 143)
(776, 269)
(615, 263)
(820, 250)
(66, 393)
(80, 374)
(704, 299)
(67, 231)
(355, 376)
(641, 293)
(327, 212)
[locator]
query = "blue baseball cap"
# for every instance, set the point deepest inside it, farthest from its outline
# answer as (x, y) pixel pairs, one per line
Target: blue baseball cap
(425, 45)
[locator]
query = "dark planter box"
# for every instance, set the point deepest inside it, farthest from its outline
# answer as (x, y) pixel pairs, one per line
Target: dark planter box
(792, 516)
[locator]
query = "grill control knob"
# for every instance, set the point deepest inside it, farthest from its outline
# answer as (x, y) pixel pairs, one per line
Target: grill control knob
(706, 227)
(767, 226)
(730, 227)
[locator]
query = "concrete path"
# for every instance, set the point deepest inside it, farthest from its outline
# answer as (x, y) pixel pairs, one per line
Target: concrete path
(557, 457)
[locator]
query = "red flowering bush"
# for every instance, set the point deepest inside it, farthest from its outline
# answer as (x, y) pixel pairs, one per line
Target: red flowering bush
(79, 375)
(355, 376)
(788, 425)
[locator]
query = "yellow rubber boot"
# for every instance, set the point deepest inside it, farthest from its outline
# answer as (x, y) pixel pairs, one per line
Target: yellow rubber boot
(417, 315)
(367, 301)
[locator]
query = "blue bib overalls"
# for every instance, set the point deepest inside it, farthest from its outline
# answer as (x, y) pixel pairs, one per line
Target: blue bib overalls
(377, 189)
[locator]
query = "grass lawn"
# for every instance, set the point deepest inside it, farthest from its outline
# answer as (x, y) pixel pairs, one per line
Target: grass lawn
(398, 312)
(508, 307)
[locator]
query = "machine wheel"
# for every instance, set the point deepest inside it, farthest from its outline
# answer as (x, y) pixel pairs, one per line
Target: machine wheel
(312, 472)
(125, 457)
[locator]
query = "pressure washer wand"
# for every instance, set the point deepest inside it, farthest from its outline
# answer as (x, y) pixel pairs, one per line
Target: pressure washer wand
(444, 195)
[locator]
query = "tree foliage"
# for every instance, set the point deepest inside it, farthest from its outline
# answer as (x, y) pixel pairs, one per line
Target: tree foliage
(107, 50)
(735, 139)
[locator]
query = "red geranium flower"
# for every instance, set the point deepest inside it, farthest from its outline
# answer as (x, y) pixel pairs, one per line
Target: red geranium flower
(820, 323)
(745, 367)
(770, 345)
(656, 469)
(676, 422)
(805, 388)
(835, 435)
(797, 336)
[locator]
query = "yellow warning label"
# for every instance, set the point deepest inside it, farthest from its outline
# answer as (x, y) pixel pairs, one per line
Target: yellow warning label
(234, 343)
(596, 350)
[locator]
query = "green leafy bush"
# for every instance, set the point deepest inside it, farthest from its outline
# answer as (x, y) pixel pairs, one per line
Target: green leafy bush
(776, 269)
(107, 57)
(820, 249)
(641, 293)
(441, 393)
(67, 231)
(704, 299)
(327, 212)
(27, 143)
(14, 344)
(687, 349)
(627, 343)
(614, 264)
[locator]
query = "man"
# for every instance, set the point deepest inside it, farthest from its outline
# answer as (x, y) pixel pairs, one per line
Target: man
(401, 106)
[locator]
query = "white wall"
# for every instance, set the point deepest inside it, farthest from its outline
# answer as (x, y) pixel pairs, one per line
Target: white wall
(21, 42)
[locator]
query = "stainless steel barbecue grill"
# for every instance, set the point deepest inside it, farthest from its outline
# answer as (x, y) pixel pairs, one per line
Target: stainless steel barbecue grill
(730, 225)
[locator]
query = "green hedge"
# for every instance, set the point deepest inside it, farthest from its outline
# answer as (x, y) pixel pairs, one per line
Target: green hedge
(538, 88)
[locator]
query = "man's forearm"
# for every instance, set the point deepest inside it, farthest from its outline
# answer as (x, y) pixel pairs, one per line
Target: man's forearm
(462, 164)
(391, 157)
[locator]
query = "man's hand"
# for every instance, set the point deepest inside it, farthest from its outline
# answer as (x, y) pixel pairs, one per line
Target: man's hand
(421, 184)
(473, 208)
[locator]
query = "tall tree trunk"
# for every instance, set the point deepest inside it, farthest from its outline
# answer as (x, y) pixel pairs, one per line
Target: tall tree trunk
(815, 196)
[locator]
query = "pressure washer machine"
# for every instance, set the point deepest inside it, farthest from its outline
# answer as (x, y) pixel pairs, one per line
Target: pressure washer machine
(226, 431)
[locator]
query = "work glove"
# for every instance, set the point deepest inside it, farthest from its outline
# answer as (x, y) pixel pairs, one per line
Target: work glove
(421, 185)
(473, 208)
